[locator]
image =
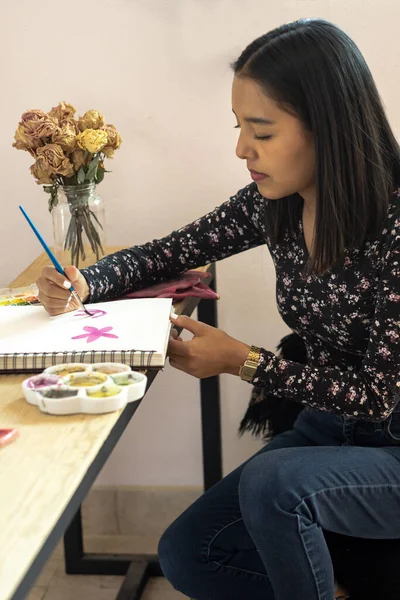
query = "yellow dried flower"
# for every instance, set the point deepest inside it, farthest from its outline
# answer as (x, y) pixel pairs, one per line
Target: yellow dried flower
(78, 158)
(65, 136)
(114, 140)
(23, 141)
(92, 140)
(44, 129)
(39, 173)
(66, 169)
(53, 160)
(71, 123)
(92, 119)
(62, 111)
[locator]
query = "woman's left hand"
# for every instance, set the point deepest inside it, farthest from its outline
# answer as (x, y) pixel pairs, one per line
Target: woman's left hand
(210, 352)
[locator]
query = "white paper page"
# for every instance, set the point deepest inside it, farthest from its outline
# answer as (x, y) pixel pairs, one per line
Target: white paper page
(139, 324)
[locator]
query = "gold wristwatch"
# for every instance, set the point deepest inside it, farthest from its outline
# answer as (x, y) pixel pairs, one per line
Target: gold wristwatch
(248, 369)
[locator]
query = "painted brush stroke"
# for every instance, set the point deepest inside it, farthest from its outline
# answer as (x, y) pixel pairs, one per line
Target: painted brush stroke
(94, 313)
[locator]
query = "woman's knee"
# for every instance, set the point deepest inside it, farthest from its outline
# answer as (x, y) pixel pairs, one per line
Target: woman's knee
(180, 556)
(171, 555)
(270, 478)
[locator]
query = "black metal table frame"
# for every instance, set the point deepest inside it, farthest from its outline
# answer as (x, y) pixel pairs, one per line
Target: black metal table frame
(137, 568)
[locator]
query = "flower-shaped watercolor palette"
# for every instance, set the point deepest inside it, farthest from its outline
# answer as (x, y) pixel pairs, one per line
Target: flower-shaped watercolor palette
(84, 388)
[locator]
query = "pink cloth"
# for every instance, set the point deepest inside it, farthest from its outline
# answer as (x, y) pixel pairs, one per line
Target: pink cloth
(190, 284)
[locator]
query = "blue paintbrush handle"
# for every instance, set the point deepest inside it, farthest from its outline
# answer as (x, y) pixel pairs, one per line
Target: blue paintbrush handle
(45, 246)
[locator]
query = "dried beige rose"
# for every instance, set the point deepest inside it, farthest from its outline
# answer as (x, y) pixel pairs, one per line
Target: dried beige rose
(54, 161)
(65, 136)
(78, 158)
(31, 119)
(45, 129)
(62, 111)
(40, 174)
(114, 140)
(67, 168)
(71, 123)
(37, 124)
(33, 116)
(92, 140)
(23, 141)
(92, 119)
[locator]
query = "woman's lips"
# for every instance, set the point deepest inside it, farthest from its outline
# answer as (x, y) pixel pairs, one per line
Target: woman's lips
(256, 176)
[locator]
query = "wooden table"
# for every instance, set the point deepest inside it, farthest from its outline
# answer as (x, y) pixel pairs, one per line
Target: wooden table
(48, 470)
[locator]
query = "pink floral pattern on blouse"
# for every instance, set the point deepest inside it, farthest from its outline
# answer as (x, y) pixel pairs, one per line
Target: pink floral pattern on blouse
(349, 318)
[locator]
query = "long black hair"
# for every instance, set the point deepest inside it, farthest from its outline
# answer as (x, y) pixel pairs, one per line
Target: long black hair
(313, 70)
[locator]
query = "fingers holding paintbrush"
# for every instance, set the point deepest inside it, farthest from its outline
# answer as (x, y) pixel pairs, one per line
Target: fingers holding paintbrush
(54, 292)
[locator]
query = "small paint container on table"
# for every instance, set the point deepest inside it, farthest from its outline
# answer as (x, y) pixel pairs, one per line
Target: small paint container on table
(39, 383)
(67, 368)
(60, 400)
(134, 382)
(86, 379)
(110, 368)
(108, 398)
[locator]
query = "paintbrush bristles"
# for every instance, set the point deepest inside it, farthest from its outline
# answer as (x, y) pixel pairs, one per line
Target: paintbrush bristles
(76, 296)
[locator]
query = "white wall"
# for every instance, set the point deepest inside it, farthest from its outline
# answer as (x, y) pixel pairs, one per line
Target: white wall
(158, 70)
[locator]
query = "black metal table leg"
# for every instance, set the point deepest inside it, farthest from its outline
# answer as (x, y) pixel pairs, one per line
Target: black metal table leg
(210, 402)
(139, 568)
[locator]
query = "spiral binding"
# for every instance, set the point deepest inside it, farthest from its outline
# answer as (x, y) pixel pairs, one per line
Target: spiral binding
(34, 361)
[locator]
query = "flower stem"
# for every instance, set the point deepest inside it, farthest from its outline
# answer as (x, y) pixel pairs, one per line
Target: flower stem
(83, 222)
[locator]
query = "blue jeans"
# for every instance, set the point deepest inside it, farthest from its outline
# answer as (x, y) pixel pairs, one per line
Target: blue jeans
(257, 534)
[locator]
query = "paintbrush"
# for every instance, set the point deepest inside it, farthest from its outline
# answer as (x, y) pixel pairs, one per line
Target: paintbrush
(54, 261)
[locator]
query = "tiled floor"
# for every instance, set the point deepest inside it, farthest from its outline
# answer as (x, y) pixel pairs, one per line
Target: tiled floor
(54, 584)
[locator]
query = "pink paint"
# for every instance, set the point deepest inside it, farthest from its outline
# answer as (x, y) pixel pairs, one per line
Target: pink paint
(40, 381)
(93, 334)
(95, 313)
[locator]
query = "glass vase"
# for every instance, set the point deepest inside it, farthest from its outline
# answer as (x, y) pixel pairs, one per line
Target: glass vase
(79, 225)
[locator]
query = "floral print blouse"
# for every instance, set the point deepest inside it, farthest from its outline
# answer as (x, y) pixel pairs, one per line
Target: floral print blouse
(349, 319)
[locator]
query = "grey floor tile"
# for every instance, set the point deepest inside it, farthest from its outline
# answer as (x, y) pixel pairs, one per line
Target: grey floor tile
(54, 563)
(36, 593)
(83, 582)
(92, 593)
(158, 588)
(59, 550)
(54, 584)
(82, 587)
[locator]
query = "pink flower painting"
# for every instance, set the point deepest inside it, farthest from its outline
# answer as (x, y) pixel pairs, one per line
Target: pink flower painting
(93, 334)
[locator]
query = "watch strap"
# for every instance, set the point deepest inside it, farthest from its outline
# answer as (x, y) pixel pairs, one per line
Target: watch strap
(248, 369)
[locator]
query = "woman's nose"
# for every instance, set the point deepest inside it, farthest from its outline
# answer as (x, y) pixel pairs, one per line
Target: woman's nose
(243, 149)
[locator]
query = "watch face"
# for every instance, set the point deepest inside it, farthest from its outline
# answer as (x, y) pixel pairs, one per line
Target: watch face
(248, 373)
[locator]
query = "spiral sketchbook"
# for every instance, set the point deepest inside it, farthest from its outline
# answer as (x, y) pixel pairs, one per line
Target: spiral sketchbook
(134, 332)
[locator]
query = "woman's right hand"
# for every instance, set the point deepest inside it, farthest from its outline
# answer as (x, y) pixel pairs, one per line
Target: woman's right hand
(55, 296)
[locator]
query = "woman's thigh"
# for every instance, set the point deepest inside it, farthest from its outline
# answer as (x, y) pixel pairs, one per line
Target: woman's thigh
(350, 490)
(210, 537)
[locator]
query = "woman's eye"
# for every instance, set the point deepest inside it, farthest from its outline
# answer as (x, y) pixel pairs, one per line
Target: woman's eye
(256, 137)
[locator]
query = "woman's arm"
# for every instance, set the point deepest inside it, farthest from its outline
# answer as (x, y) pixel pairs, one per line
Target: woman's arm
(233, 227)
(372, 392)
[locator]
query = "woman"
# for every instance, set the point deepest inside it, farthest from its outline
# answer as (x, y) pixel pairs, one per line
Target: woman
(325, 199)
